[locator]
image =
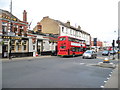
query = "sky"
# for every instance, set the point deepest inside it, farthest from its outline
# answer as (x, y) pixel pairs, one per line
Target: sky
(97, 17)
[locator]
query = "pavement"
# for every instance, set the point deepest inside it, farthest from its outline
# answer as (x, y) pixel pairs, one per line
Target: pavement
(24, 58)
(114, 79)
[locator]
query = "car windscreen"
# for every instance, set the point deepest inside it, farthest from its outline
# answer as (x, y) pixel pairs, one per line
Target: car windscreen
(88, 52)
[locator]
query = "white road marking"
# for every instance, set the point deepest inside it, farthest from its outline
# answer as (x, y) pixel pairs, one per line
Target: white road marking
(109, 74)
(82, 63)
(102, 86)
(105, 81)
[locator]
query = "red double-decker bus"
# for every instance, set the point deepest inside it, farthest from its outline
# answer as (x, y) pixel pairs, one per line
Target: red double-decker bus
(68, 46)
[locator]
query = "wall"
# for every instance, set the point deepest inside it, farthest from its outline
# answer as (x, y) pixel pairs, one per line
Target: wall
(49, 26)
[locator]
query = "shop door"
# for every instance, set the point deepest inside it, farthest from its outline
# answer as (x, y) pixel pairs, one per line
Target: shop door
(5, 51)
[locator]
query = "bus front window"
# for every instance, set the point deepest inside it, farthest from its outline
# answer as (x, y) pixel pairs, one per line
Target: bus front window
(62, 39)
(63, 47)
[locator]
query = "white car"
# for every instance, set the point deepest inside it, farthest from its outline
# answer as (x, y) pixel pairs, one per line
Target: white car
(89, 54)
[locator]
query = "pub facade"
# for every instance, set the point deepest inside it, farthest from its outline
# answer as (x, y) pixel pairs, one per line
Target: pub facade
(13, 35)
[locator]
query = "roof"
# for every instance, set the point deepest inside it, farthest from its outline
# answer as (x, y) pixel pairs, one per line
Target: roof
(72, 27)
(8, 14)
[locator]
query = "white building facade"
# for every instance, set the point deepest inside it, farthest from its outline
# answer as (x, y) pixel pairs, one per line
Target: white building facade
(67, 30)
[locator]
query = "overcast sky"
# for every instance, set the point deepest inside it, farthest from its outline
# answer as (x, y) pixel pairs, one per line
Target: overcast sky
(97, 17)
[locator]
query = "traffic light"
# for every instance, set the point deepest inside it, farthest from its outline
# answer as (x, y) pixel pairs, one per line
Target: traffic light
(95, 41)
(113, 43)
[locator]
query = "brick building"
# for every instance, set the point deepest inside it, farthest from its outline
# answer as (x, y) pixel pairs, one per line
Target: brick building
(56, 27)
(13, 34)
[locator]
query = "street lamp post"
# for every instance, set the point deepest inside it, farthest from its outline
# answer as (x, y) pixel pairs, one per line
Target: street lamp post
(10, 33)
(10, 49)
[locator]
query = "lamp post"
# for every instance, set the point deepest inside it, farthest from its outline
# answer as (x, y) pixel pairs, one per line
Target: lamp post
(10, 49)
(10, 33)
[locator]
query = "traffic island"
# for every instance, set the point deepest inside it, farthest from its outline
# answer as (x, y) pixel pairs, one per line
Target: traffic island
(106, 63)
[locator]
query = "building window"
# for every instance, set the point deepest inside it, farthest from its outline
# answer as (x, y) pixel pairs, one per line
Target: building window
(33, 47)
(71, 32)
(4, 29)
(15, 29)
(74, 33)
(66, 30)
(62, 29)
(21, 27)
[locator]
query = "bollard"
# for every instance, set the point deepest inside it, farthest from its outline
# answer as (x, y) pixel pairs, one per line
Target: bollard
(106, 60)
(36, 53)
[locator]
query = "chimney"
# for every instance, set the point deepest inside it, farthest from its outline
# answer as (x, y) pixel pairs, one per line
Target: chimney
(68, 23)
(46, 17)
(79, 27)
(25, 16)
(39, 26)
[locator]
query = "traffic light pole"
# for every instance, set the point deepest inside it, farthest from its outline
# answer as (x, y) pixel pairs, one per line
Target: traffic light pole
(113, 45)
(118, 47)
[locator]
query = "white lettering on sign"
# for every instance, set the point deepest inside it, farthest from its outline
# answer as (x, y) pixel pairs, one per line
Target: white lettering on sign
(77, 44)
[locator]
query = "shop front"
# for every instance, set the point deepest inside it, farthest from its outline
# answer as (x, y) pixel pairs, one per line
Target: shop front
(15, 47)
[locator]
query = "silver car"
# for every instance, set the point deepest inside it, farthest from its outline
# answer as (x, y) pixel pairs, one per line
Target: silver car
(89, 54)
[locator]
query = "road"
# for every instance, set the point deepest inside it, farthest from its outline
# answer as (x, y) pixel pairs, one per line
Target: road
(55, 72)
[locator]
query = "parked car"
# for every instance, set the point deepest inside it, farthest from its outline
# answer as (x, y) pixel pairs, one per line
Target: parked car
(105, 53)
(89, 54)
(112, 52)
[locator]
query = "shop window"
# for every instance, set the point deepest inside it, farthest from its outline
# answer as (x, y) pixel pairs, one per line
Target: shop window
(13, 47)
(19, 47)
(12, 41)
(25, 47)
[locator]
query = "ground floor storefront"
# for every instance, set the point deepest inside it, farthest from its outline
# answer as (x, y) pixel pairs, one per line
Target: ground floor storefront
(14, 46)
